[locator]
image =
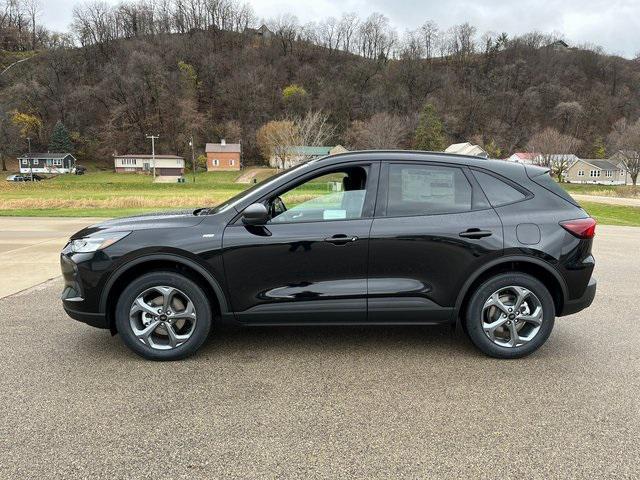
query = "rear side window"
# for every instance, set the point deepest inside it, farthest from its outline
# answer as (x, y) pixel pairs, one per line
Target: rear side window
(427, 190)
(549, 183)
(497, 192)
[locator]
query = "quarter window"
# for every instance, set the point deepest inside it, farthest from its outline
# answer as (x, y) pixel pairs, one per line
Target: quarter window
(497, 192)
(427, 190)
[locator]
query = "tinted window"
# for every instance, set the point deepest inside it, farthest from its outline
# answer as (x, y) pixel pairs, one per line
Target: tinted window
(497, 191)
(549, 183)
(427, 190)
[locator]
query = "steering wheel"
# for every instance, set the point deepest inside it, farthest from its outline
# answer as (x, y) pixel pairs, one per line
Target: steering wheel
(277, 207)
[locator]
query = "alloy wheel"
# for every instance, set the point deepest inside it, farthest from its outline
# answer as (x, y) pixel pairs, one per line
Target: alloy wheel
(162, 317)
(512, 316)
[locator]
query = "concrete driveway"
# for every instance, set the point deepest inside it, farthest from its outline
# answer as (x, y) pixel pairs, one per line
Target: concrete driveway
(29, 249)
(327, 403)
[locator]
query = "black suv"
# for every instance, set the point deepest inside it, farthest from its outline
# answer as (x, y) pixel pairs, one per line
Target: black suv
(389, 238)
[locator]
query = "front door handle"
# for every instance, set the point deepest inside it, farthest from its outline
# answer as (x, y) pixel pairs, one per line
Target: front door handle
(475, 233)
(341, 239)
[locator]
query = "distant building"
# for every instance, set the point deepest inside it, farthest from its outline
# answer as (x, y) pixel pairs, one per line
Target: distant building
(262, 32)
(165, 165)
(587, 170)
(558, 45)
(298, 154)
(526, 158)
(467, 148)
(223, 156)
(51, 163)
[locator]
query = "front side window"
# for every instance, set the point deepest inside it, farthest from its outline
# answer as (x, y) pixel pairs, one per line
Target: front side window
(337, 195)
(427, 190)
(497, 192)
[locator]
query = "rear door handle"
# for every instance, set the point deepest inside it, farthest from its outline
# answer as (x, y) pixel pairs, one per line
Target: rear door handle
(476, 233)
(341, 239)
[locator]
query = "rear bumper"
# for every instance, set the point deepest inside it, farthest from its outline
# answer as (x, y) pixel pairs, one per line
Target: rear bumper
(574, 306)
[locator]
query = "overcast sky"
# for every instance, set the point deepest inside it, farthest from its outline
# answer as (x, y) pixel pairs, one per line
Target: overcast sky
(612, 24)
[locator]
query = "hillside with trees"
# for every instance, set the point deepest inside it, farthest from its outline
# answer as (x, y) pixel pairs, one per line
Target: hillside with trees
(178, 68)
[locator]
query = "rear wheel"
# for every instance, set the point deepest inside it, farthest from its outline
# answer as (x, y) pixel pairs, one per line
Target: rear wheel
(163, 316)
(510, 315)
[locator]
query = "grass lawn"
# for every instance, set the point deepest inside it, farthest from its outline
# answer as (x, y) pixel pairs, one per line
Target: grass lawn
(628, 191)
(613, 214)
(106, 194)
(111, 195)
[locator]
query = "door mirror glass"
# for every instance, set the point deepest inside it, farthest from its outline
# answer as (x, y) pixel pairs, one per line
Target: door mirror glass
(255, 214)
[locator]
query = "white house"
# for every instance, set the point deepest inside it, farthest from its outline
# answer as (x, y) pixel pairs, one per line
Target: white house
(169, 165)
(466, 148)
(527, 158)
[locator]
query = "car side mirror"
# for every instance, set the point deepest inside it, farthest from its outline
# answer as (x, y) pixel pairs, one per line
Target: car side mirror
(255, 214)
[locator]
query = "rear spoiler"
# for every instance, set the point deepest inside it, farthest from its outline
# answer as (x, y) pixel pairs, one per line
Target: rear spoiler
(535, 171)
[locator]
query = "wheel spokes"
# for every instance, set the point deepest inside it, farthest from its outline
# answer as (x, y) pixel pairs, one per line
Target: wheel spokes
(139, 305)
(159, 326)
(494, 301)
(534, 318)
(189, 312)
(512, 316)
(145, 334)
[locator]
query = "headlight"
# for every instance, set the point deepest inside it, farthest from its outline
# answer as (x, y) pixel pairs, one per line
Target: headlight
(91, 244)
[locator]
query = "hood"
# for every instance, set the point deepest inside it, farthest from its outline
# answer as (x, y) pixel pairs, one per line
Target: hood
(176, 219)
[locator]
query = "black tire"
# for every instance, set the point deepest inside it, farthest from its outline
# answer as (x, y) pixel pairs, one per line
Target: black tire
(170, 279)
(474, 315)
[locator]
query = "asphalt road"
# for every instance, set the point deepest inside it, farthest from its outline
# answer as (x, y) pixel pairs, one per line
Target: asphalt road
(327, 403)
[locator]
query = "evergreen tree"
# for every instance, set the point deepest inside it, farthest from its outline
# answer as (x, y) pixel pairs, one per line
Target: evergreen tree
(60, 139)
(599, 149)
(429, 135)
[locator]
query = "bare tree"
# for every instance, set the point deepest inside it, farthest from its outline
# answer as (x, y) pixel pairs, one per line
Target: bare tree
(625, 137)
(348, 28)
(430, 33)
(554, 150)
(33, 9)
(313, 130)
(286, 28)
(568, 115)
(381, 131)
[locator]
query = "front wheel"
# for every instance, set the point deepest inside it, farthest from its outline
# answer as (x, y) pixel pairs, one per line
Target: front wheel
(510, 315)
(163, 316)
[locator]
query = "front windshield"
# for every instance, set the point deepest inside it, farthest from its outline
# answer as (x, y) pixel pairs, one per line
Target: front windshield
(263, 185)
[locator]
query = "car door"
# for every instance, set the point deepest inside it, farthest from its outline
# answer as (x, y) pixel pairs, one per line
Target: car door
(433, 228)
(307, 264)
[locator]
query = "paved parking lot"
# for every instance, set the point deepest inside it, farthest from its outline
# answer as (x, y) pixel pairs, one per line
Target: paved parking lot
(327, 403)
(29, 249)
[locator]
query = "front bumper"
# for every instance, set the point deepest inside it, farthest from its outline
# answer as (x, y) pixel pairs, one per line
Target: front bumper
(98, 320)
(73, 297)
(574, 306)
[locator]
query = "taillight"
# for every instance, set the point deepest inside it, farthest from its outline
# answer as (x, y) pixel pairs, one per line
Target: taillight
(580, 227)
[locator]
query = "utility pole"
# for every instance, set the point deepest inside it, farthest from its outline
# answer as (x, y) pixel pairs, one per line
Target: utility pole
(193, 159)
(153, 152)
(30, 159)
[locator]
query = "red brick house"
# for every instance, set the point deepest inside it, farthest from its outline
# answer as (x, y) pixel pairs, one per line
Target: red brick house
(223, 156)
